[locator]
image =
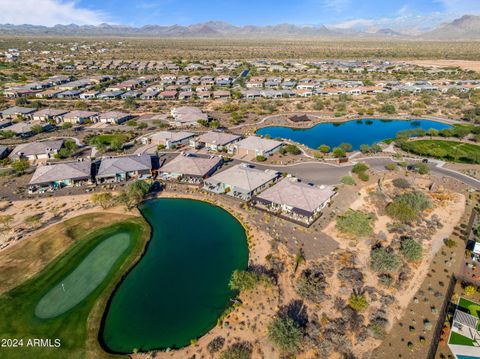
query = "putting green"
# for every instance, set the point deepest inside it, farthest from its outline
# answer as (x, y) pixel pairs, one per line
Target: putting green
(83, 280)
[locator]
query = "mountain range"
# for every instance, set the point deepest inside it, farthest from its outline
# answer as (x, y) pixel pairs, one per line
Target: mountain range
(464, 28)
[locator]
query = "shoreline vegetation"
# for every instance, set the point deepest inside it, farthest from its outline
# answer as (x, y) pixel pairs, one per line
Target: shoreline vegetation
(77, 328)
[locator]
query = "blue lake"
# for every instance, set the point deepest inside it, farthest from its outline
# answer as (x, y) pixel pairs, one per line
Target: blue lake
(354, 132)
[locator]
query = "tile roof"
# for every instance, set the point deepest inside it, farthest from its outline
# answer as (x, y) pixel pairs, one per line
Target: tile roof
(111, 166)
(62, 171)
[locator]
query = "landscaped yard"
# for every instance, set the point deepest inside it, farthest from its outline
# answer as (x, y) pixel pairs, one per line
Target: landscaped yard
(447, 150)
(77, 322)
(113, 141)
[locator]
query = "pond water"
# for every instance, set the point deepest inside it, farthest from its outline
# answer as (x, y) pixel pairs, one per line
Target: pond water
(356, 133)
(179, 288)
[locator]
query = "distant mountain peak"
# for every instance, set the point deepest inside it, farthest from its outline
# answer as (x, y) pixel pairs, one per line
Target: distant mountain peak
(466, 27)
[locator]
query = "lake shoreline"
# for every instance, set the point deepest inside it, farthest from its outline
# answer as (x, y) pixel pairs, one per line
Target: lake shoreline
(166, 196)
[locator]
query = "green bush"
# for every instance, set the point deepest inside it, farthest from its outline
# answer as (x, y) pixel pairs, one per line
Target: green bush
(359, 168)
(261, 158)
(384, 261)
(407, 207)
(401, 183)
(338, 152)
(392, 166)
(348, 180)
(356, 223)
(364, 176)
(292, 149)
(324, 148)
(358, 302)
(411, 250)
(245, 280)
(285, 334)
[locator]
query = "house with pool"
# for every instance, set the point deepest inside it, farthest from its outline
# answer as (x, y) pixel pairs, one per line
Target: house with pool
(464, 339)
(241, 181)
(119, 169)
(254, 146)
(295, 200)
(190, 167)
(215, 141)
(59, 175)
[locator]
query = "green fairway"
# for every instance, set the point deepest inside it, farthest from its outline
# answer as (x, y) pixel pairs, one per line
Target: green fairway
(89, 271)
(445, 150)
(84, 279)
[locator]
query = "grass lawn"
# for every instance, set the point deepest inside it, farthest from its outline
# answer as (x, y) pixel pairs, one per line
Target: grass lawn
(76, 326)
(446, 150)
(114, 141)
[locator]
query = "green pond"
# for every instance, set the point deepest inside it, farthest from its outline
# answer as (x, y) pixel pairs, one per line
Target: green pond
(179, 288)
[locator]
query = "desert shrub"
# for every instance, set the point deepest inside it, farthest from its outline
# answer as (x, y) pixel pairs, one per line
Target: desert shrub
(339, 152)
(401, 183)
(292, 149)
(216, 344)
(261, 158)
(385, 279)
(359, 168)
(348, 180)
(285, 334)
(245, 280)
(242, 350)
(407, 207)
(311, 284)
(364, 176)
(411, 250)
(470, 290)
(384, 261)
(357, 223)
(358, 302)
(392, 166)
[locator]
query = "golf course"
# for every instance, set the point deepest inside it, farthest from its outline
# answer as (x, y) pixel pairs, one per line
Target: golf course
(62, 297)
(445, 150)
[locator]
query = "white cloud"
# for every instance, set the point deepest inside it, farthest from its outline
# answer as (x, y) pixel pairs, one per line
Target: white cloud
(47, 12)
(401, 22)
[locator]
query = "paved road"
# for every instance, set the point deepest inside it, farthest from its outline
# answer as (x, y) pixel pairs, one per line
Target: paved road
(331, 174)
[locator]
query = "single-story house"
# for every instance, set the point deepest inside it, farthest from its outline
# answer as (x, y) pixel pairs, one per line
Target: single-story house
(170, 139)
(187, 116)
(110, 95)
(214, 141)
(70, 94)
(62, 174)
(48, 114)
(27, 129)
(39, 150)
(116, 169)
(253, 146)
(149, 95)
(300, 201)
(80, 117)
(168, 95)
(191, 168)
(5, 123)
(221, 94)
(241, 181)
(88, 95)
(114, 117)
(17, 111)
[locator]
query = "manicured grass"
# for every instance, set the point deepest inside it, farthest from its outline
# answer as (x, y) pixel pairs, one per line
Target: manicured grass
(78, 327)
(84, 279)
(446, 150)
(458, 339)
(26, 258)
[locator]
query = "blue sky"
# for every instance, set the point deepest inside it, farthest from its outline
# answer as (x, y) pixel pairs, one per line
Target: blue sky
(340, 13)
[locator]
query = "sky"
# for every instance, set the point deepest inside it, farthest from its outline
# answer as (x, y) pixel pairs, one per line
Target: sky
(396, 14)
